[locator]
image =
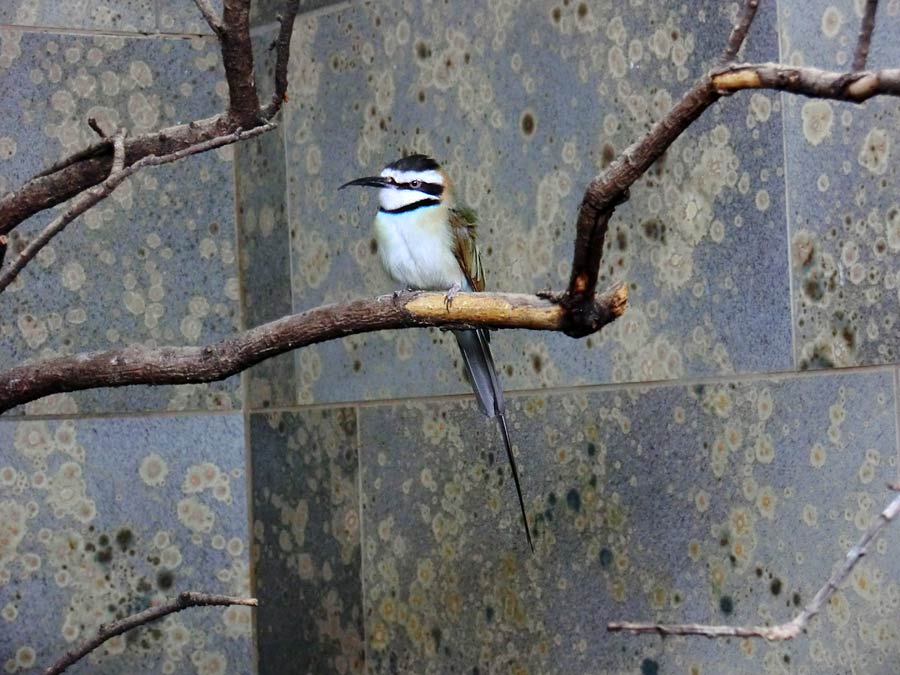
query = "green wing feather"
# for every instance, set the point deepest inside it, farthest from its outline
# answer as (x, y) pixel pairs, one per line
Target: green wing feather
(463, 225)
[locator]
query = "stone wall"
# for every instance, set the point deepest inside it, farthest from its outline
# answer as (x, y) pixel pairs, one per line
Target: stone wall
(707, 458)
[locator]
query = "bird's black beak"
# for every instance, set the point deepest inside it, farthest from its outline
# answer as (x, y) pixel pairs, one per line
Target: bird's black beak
(369, 181)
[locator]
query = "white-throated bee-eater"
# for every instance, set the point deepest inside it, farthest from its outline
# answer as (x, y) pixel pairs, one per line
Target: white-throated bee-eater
(427, 242)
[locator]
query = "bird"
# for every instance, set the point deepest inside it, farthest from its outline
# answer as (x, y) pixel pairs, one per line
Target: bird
(427, 241)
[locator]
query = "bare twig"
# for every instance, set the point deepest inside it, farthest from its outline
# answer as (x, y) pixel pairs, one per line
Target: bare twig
(206, 9)
(110, 630)
(740, 30)
(92, 196)
(283, 52)
(180, 365)
(864, 41)
(118, 151)
(4, 240)
(784, 631)
(93, 124)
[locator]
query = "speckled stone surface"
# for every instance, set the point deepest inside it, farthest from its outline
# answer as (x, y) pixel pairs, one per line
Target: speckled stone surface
(306, 542)
(524, 104)
(117, 15)
(843, 185)
(153, 264)
(101, 517)
(712, 503)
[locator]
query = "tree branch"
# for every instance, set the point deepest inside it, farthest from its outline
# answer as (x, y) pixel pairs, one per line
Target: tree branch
(94, 195)
(283, 52)
(784, 631)
(864, 41)
(739, 32)
(180, 365)
(110, 630)
(206, 9)
(237, 57)
(854, 87)
(610, 189)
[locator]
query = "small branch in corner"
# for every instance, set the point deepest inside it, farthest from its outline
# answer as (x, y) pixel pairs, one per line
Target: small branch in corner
(864, 41)
(111, 630)
(93, 124)
(793, 628)
(739, 33)
(206, 9)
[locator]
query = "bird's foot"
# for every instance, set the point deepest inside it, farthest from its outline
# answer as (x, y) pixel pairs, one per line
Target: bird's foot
(552, 296)
(451, 293)
(400, 291)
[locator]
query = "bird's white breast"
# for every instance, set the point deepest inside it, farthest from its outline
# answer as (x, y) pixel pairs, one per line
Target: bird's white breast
(416, 248)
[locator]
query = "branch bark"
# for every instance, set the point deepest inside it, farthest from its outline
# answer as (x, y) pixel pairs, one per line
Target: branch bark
(180, 365)
(784, 631)
(739, 33)
(107, 631)
(94, 195)
(237, 57)
(864, 41)
(282, 48)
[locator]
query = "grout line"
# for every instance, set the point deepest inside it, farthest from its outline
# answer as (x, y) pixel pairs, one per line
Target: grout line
(362, 541)
(792, 304)
(332, 8)
(286, 119)
(728, 378)
(193, 412)
(94, 32)
(897, 413)
(251, 543)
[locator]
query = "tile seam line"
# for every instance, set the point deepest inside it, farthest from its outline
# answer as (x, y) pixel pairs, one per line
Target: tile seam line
(776, 376)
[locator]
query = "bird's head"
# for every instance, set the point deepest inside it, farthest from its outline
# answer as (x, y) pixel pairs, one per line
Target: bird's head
(410, 183)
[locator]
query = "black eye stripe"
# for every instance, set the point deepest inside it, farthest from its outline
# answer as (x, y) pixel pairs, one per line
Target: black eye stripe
(427, 188)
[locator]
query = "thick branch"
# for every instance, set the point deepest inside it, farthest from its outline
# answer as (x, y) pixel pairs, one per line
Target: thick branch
(784, 631)
(812, 82)
(864, 41)
(282, 48)
(739, 33)
(110, 630)
(180, 365)
(237, 57)
(93, 196)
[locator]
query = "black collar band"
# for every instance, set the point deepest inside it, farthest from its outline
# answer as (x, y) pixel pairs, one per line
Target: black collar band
(412, 207)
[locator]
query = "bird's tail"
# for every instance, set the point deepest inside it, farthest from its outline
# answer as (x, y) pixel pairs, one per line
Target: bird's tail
(476, 353)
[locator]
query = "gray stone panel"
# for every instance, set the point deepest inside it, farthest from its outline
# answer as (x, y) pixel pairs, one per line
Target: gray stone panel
(100, 518)
(100, 15)
(716, 503)
(306, 542)
(843, 205)
(523, 106)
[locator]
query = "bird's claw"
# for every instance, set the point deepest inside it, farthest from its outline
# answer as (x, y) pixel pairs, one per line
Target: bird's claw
(552, 296)
(451, 293)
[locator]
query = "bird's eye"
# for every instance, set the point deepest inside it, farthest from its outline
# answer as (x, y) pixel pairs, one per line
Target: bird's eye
(415, 183)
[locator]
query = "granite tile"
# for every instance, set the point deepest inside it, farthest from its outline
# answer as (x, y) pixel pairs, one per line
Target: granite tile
(703, 503)
(843, 180)
(523, 106)
(100, 518)
(137, 16)
(306, 542)
(153, 264)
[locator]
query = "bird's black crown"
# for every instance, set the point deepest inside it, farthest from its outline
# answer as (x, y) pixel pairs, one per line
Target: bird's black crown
(417, 162)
